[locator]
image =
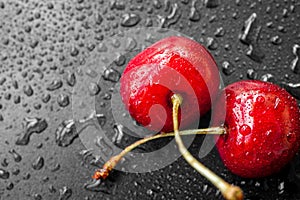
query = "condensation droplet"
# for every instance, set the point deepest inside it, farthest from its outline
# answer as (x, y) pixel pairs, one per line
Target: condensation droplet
(130, 19)
(245, 129)
(94, 89)
(295, 65)
(65, 133)
(31, 125)
(276, 40)
(120, 60)
(211, 3)
(212, 44)
(4, 174)
(54, 85)
(17, 157)
(228, 68)
(251, 74)
(250, 36)
(71, 79)
(111, 75)
(63, 100)
(130, 44)
(38, 163)
(220, 32)
(27, 89)
(194, 14)
(65, 193)
(267, 78)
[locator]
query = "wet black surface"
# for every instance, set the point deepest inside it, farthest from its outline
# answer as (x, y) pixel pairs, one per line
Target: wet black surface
(55, 59)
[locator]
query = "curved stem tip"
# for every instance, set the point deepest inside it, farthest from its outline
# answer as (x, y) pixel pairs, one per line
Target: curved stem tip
(230, 192)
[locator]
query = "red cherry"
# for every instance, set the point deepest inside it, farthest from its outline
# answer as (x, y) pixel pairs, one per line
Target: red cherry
(171, 65)
(263, 128)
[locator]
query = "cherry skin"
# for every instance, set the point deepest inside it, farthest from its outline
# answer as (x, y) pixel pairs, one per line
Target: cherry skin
(172, 65)
(262, 128)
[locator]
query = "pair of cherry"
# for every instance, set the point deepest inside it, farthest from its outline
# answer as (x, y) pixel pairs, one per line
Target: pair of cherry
(257, 123)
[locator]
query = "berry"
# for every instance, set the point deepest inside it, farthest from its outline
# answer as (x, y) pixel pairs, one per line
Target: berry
(263, 128)
(171, 65)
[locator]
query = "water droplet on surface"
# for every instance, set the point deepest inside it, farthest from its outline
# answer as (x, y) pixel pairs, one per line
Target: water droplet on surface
(267, 78)
(4, 162)
(194, 14)
(120, 60)
(118, 5)
(2, 80)
(212, 44)
(37, 197)
(15, 171)
(281, 188)
(46, 98)
(102, 47)
(74, 51)
(17, 99)
(65, 133)
(65, 193)
(94, 89)
(70, 129)
(228, 68)
(211, 3)
(98, 19)
(55, 168)
(71, 79)
(63, 100)
(173, 17)
(250, 36)
(295, 65)
(31, 125)
(52, 189)
(245, 130)
(220, 32)
(26, 176)
(91, 73)
(130, 19)
(157, 4)
(4, 174)
(111, 75)
(130, 44)
(251, 74)
(260, 99)
(205, 187)
(17, 157)
(38, 163)
(27, 89)
(54, 85)
(276, 40)
(118, 134)
(115, 43)
(277, 101)
(10, 186)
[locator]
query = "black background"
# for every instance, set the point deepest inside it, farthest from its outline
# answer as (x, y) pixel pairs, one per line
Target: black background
(42, 43)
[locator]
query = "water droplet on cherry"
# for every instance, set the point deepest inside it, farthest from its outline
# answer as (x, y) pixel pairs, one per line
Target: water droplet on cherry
(245, 129)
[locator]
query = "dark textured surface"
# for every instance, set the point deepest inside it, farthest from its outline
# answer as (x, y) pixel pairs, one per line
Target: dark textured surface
(47, 48)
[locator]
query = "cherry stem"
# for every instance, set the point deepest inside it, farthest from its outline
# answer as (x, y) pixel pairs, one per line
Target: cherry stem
(103, 173)
(230, 192)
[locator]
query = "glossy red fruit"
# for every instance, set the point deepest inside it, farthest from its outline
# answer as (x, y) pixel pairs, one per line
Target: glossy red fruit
(263, 128)
(171, 65)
